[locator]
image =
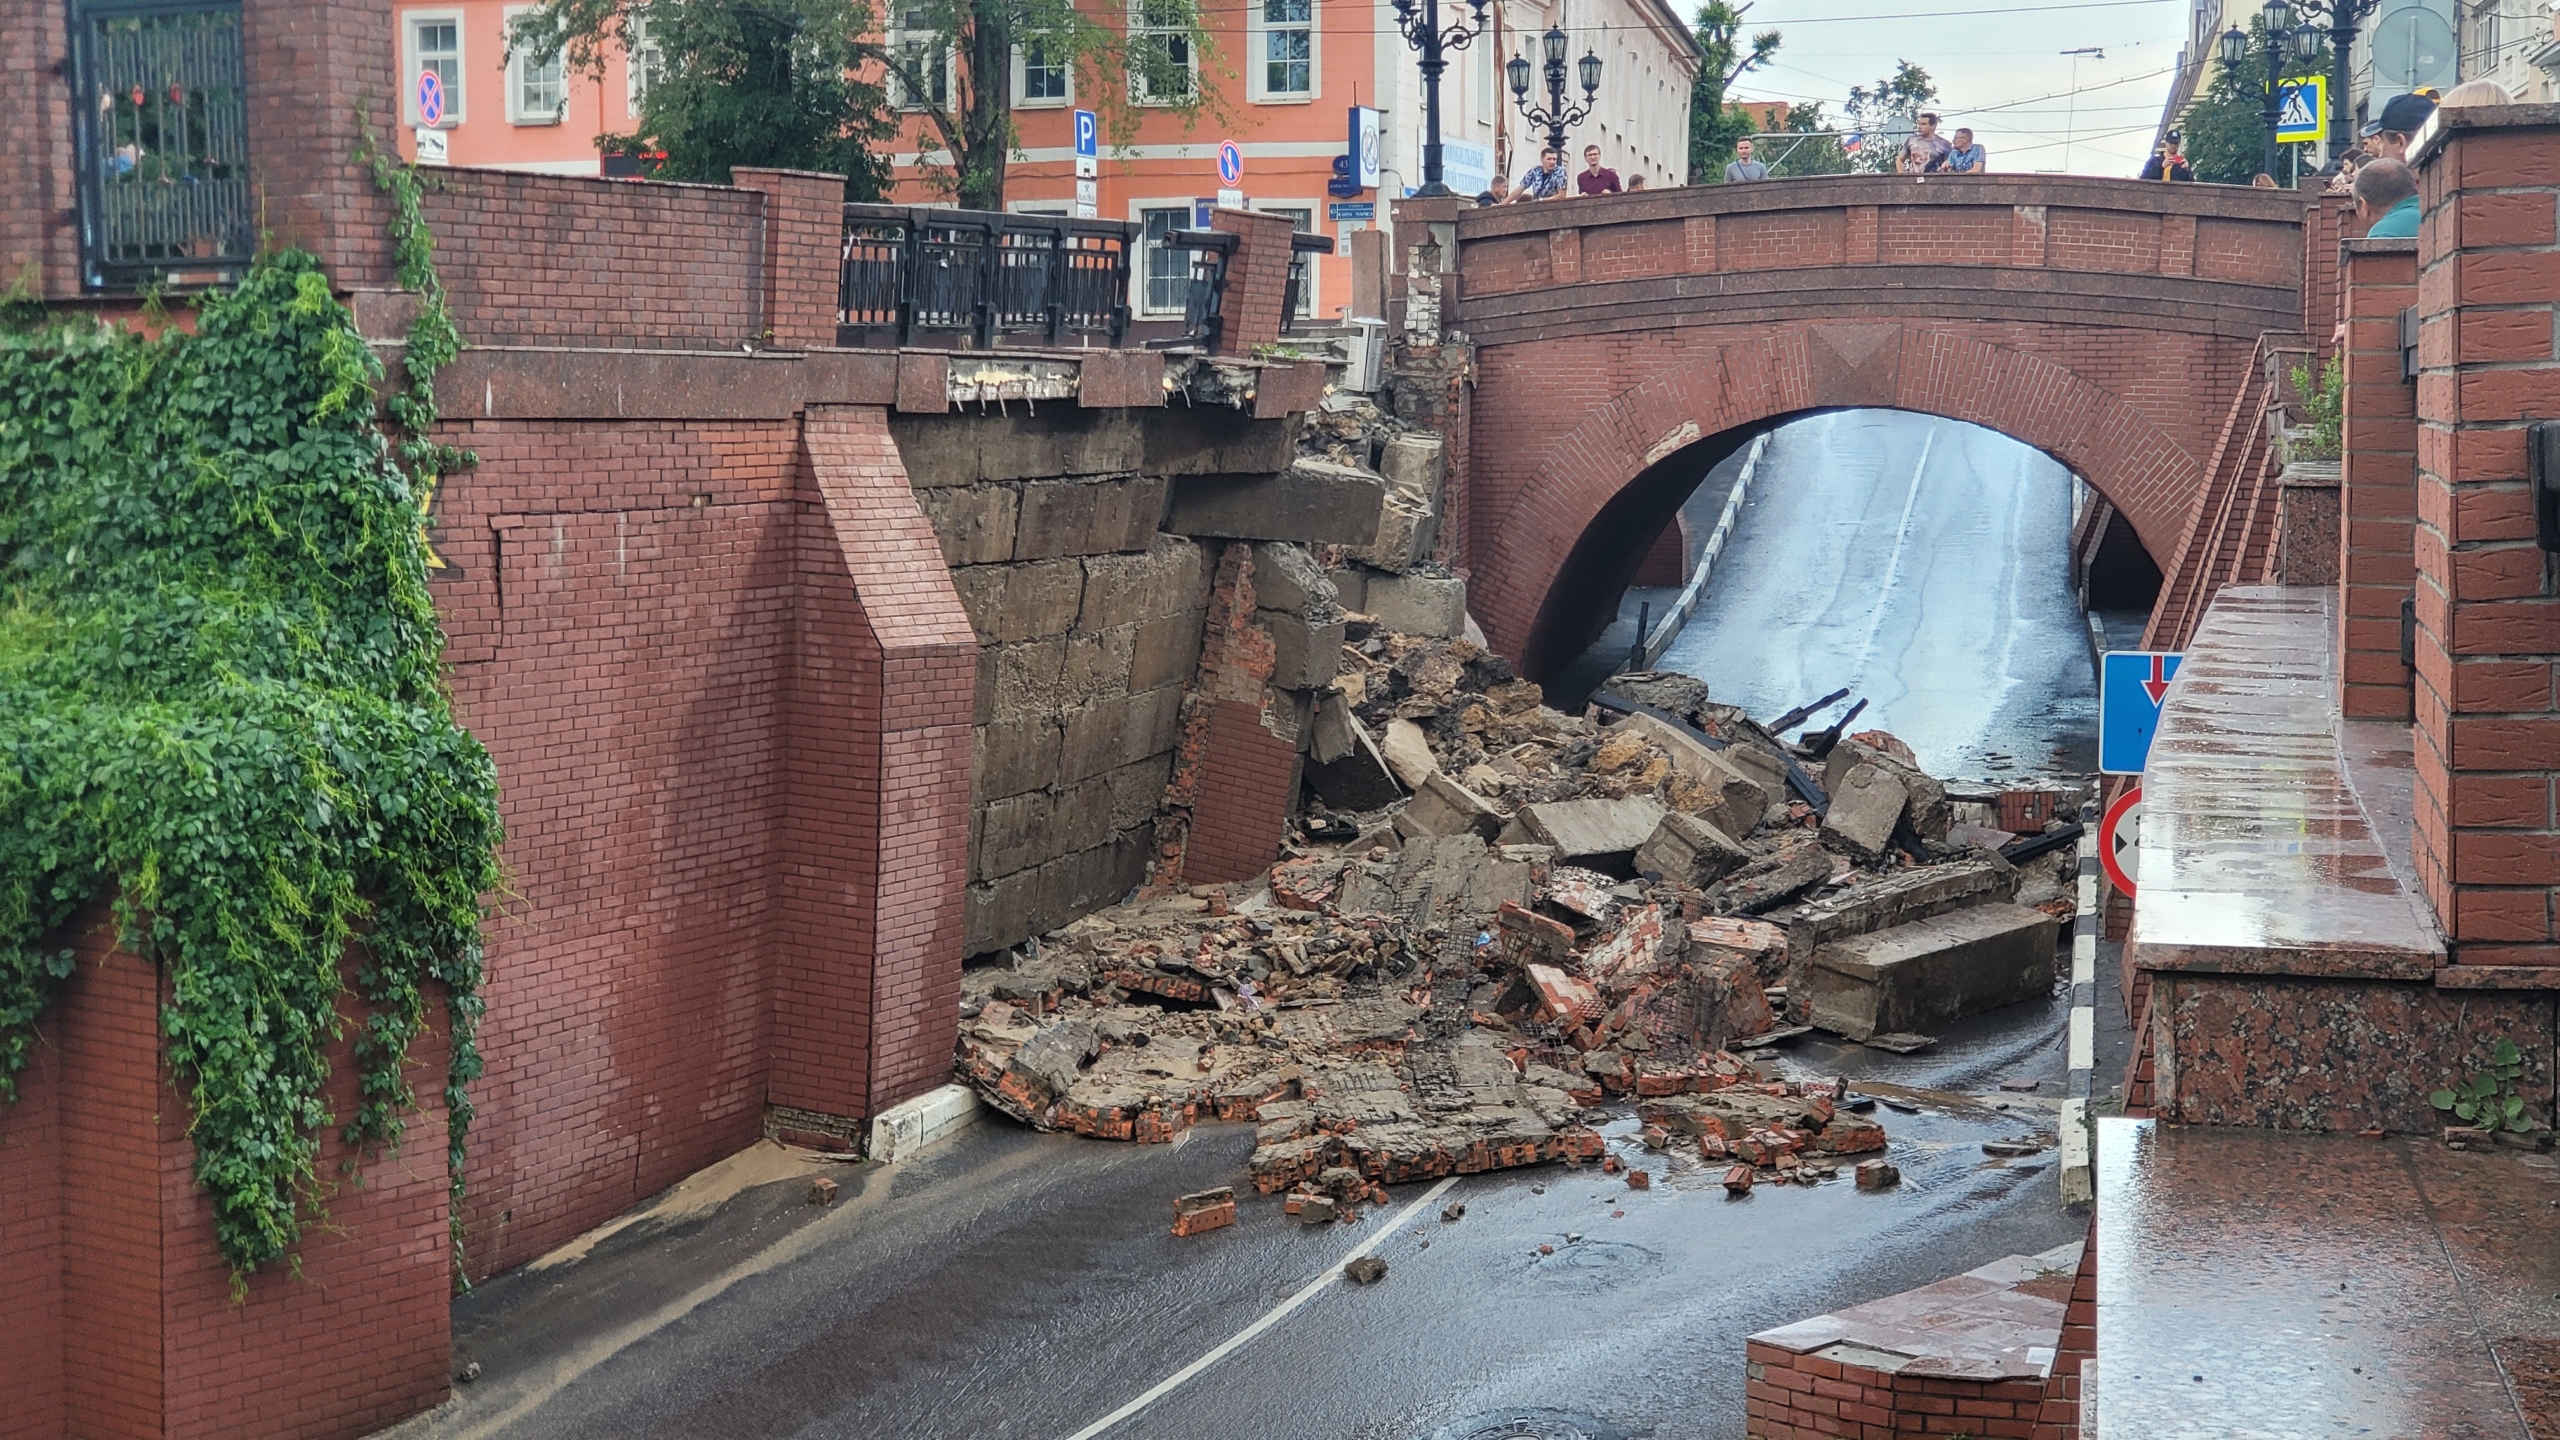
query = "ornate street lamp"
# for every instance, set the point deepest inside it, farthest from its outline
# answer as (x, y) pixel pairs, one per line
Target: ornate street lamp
(1555, 115)
(1421, 26)
(2344, 18)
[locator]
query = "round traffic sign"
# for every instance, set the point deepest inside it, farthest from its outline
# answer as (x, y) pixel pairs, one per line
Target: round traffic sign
(2120, 839)
(430, 98)
(1230, 164)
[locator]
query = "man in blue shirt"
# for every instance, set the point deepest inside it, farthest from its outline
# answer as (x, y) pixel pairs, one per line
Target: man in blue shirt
(2387, 194)
(1544, 182)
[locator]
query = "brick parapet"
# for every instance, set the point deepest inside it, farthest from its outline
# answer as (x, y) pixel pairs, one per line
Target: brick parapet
(2488, 611)
(803, 238)
(1257, 279)
(2377, 478)
(37, 188)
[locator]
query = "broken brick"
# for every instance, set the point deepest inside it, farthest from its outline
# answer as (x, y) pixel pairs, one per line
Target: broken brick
(1204, 1210)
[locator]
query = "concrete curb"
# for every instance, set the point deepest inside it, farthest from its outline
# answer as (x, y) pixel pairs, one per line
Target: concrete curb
(905, 1131)
(1651, 647)
(2078, 1185)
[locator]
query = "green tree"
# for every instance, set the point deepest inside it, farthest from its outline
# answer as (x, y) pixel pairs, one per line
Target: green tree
(1724, 57)
(771, 83)
(2224, 132)
(1883, 117)
(1818, 153)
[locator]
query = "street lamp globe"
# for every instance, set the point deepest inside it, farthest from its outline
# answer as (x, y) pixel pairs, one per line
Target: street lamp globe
(2235, 45)
(2306, 41)
(1518, 70)
(2279, 18)
(1590, 67)
(1555, 46)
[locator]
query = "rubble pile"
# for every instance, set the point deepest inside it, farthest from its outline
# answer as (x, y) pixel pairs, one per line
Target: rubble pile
(1495, 920)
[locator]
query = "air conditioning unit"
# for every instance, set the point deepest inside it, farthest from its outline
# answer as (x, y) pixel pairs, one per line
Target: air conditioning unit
(1367, 370)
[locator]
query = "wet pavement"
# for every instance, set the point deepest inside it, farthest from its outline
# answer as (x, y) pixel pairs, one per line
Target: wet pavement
(1924, 564)
(2252, 1282)
(1015, 1284)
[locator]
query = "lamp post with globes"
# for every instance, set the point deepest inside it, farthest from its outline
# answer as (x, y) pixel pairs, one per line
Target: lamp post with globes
(2283, 37)
(1556, 116)
(1420, 22)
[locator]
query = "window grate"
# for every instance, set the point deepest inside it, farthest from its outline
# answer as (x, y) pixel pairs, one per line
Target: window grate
(161, 119)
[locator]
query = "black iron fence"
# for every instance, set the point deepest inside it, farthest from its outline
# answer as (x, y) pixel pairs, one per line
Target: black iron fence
(974, 279)
(160, 116)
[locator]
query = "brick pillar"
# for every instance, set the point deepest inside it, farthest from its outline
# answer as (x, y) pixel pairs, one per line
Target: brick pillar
(134, 1331)
(803, 243)
(2378, 478)
(876, 863)
(2488, 737)
(1257, 278)
(311, 64)
(37, 197)
(2326, 221)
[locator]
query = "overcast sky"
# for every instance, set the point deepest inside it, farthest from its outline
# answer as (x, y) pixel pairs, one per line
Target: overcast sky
(1994, 70)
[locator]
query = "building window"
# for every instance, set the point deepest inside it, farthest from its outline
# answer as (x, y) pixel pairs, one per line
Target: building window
(646, 64)
(1039, 76)
(912, 41)
(1162, 68)
(1283, 46)
(435, 43)
(536, 94)
(1302, 219)
(1166, 282)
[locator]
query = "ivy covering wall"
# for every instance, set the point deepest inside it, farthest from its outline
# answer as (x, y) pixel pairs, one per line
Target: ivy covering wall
(221, 705)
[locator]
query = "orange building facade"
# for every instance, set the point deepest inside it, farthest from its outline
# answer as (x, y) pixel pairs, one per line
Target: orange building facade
(1291, 74)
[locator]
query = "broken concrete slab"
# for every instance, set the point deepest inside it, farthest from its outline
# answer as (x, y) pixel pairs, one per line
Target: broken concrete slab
(1286, 577)
(1731, 799)
(1864, 809)
(1756, 942)
(1600, 834)
(1892, 899)
(1412, 463)
(1434, 605)
(1928, 972)
(1313, 502)
(1796, 866)
(1442, 806)
(1689, 851)
(1408, 752)
(1305, 652)
(1404, 536)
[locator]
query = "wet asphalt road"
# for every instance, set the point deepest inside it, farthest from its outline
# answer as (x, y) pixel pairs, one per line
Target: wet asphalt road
(1924, 564)
(1020, 1285)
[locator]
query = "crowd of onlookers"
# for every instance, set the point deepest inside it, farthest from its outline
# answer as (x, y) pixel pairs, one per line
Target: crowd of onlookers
(1925, 153)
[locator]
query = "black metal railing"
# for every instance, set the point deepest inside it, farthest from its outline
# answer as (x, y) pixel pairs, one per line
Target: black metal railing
(1300, 247)
(1203, 310)
(974, 279)
(160, 115)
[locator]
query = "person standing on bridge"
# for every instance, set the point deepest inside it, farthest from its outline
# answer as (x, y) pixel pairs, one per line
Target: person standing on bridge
(2171, 162)
(1967, 158)
(2387, 195)
(1925, 153)
(1742, 167)
(2388, 134)
(1596, 178)
(1543, 182)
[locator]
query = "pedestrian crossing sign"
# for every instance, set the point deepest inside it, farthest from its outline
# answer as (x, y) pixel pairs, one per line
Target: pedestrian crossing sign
(2302, 110)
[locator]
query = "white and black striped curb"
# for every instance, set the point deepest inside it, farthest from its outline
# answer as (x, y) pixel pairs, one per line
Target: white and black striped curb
(2076, 1126)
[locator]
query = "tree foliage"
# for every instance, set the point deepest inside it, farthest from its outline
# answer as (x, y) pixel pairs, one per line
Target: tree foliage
(1724, 57)
(1884, 116)
(2224, 131)
(776, 83)
(221, 701)
(1819, 154)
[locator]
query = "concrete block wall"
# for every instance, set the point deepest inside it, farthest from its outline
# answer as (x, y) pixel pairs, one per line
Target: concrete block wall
(1087, 622)
(2378, 478)
(2488, 712)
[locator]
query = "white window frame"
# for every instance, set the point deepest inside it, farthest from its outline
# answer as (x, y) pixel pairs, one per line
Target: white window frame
(1315, 226)
(1257, 78)
(899, 98)
(517, 114)
(411, 62)
(1022, 80)
(643, 62)
(1138, 30)
(1138, 275)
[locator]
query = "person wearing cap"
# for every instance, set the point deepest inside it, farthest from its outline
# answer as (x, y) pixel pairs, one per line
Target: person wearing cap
(2170, 163)
(2387, 195)
(2387, 135)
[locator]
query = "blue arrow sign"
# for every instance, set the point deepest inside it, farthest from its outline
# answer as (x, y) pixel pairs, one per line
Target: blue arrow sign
(2131, 686)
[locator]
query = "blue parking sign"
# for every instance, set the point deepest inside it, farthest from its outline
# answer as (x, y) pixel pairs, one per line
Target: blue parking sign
(2131, 686)
(1088, 134)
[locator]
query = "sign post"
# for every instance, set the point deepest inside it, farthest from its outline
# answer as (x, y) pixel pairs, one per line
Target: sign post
(2131, 686)
(1088, 165)
(429, 135)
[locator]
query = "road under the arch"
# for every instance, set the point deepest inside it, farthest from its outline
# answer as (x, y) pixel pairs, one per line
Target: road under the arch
(1923, 563)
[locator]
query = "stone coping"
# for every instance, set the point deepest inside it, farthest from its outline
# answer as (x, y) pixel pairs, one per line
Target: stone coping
(2258, 855)
(1990, 1323)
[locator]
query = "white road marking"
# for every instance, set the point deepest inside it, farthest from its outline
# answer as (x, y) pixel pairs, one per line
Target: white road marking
(2084, 959)
(1331, 1276)
(2088, 894)
(2084, 1038)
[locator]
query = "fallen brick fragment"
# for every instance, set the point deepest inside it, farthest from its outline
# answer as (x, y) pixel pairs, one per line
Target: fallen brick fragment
(1367, 1270)
(1737, 1181)
(1878, 1175)
(1204, 1210)
(1639, 1180)
(822, 1191)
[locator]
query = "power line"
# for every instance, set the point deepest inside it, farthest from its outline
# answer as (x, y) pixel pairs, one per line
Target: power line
(1945, 14)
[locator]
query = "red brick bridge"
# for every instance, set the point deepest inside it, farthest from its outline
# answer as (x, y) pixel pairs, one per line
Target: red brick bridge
(1625, 344)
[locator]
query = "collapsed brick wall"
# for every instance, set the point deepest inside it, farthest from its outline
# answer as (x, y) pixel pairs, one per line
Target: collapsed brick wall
(1805, 1397)
(1088, 622)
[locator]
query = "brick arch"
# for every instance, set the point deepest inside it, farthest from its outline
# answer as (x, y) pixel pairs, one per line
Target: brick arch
(1643, 448)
